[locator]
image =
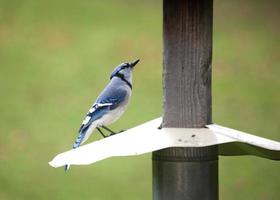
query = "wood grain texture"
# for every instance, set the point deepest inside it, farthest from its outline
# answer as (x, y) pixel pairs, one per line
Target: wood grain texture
(186, 173)
(187, 37)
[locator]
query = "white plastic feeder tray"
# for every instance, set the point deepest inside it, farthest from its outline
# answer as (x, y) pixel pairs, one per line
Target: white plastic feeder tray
(147, 137)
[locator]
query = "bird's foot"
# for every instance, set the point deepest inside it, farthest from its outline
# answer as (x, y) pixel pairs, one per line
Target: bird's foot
(109, 130)
(116, 133)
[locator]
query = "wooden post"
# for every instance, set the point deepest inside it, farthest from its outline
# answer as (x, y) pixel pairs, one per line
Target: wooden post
(186, 173)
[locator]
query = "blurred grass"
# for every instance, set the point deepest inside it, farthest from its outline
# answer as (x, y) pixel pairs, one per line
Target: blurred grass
(56, 56)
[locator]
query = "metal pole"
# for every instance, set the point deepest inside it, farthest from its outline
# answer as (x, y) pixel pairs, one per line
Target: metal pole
(186, 173)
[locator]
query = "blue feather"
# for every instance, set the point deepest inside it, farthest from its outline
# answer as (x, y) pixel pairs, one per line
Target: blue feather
(97, 114)
(110, 98)
(113, 95)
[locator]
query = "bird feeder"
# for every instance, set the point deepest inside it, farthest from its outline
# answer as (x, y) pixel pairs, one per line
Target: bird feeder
(185, 143)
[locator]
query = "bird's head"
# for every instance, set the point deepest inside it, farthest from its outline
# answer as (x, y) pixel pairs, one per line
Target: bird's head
(124, 70)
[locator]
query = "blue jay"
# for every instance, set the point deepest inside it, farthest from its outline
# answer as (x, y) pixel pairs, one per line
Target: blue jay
(110, 104)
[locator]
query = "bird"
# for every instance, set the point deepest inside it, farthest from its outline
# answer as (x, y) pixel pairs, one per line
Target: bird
(109, 105)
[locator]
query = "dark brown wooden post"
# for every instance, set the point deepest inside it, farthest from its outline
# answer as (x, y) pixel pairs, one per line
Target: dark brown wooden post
(186, 173)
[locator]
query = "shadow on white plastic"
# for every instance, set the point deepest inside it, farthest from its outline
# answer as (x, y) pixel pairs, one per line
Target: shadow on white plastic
(147, 137)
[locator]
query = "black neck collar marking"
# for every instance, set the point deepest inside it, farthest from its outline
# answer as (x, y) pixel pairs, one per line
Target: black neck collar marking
(121, 76)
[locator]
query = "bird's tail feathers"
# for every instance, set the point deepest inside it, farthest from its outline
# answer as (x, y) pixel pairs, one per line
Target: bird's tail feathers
(76, 144)
(83, 136)
(79, 139)
(66, 168)
(89, 132)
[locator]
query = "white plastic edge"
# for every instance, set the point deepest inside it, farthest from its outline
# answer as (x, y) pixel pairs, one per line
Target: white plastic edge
(147, 138)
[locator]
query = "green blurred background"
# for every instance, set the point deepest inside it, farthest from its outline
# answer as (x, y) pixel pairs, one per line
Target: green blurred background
(57, 55)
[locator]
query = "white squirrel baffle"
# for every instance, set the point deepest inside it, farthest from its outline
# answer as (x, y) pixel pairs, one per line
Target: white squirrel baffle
(148, 137)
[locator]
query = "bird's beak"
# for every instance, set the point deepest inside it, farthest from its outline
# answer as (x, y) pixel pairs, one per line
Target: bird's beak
(132, 64)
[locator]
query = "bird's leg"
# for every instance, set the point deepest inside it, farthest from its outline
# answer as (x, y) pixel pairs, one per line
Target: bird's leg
(99, 130)
(112, 132)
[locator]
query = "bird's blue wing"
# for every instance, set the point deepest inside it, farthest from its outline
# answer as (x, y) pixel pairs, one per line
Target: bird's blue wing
(108, 100)
(112, 95)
